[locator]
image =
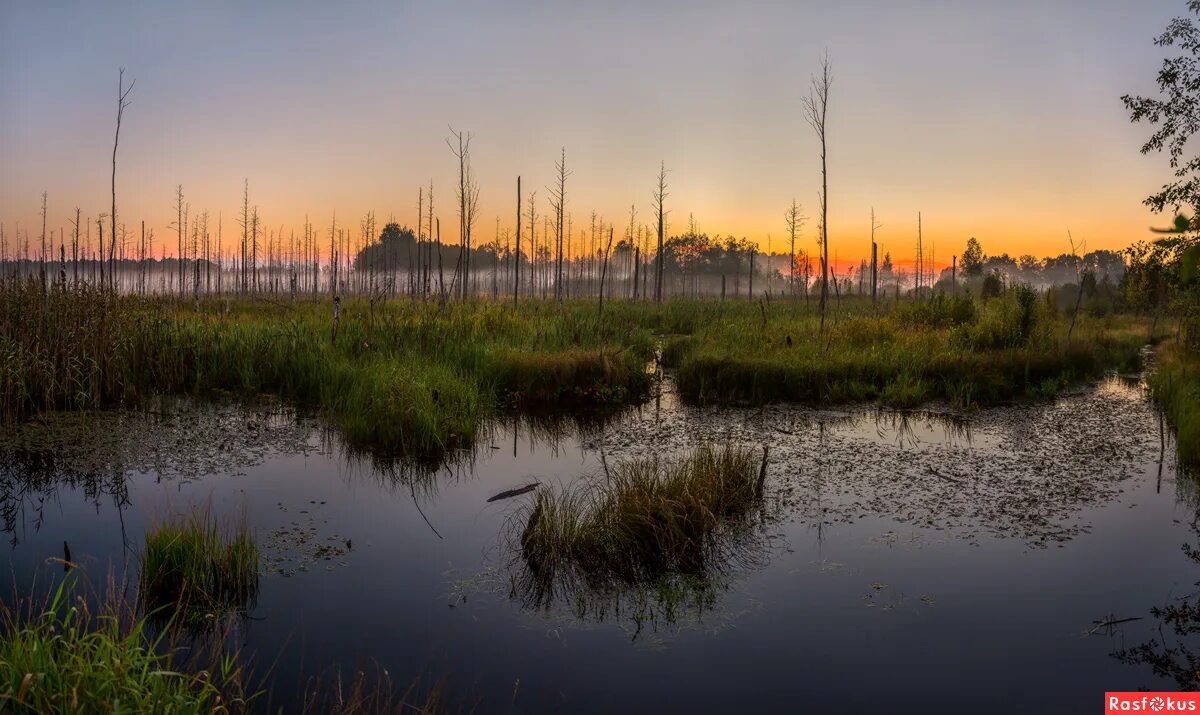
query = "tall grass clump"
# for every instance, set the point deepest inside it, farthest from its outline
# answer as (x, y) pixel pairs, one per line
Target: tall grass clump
(650, 517)
(65, 654)
(1175, 384)
(196, 569)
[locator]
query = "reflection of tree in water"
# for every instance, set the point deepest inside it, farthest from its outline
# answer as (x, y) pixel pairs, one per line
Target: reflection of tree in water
(95, 453)
(1175, 654)
(31, 479)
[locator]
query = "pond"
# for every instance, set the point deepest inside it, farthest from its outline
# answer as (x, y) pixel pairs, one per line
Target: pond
(931, 560)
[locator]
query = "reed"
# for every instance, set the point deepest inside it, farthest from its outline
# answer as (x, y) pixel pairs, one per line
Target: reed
(401, 378)
(1175, 384)
(196, 569)
(68, 655)
(945, 349)
(648, 518)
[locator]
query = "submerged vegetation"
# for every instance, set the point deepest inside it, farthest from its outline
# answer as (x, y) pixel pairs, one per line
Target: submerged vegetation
(197, 569)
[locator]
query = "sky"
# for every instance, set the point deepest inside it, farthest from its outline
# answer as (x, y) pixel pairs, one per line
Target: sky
(995, 120)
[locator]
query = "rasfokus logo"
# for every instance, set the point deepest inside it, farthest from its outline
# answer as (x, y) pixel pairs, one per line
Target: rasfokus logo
(1151, 703)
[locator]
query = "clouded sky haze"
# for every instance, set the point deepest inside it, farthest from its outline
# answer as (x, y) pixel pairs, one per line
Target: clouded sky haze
(996, 120)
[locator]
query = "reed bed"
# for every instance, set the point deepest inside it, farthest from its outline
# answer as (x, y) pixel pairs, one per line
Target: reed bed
(647, 519)
(954, 349)
(400, 378)
(1175, 384)
(408, 378)
(196, 569)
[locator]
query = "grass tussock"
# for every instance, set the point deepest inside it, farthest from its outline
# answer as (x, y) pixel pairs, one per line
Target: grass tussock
(649, 518)
(66, 655)
(197, 569)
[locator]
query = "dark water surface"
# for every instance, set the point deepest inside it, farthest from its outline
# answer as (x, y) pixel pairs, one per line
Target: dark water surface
(904, 562)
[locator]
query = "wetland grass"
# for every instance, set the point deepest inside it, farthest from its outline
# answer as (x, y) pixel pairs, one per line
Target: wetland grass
(1175, 384)
(647, 519)
(66, 654)
(406, 378)
(948, 348)
(196, 569)
(401, 378)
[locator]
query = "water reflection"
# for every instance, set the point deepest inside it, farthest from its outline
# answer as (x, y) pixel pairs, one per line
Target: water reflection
(1175, 652)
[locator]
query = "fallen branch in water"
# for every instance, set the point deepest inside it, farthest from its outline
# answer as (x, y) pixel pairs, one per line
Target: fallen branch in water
(509, 493)
(1109, 623)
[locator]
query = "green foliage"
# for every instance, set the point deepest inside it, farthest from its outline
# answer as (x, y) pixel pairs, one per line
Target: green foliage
(993, 285)
(1175, 384)
(972, 258)
(61, 656)
(948, 348)
(1172, 113)
(941, 311)
(196, 570)
(401, 377)
(647, 519)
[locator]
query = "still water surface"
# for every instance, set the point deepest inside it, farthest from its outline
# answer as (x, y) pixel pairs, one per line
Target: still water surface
(925, 561)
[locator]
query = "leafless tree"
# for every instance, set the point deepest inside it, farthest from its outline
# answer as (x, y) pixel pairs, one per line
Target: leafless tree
(795, 223)
(1075, 250)
(816, 109)
(517, 254)
(42, 257)
(660, 196)
(604, 273)
(874, 256)
(468, 201)
(558, 201)
(532, 242)
(122, 103)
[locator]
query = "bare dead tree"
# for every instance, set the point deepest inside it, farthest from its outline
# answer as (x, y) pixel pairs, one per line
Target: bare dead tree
(604, 274)
(517, 255)
(874, 256)
(75, 249)
(254, 246)
(244, 222)
(532, 243)
(795, 223)
(468, 201)
(42, 257)
(1075, 249)
(660, 196)
(122, 103)
(558, 201)
(816, 109)
(631, 270)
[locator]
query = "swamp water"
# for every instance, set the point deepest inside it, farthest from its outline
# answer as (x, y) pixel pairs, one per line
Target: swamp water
(919, 561)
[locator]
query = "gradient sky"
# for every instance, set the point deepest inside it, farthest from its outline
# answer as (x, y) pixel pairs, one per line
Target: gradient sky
(999, 120)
